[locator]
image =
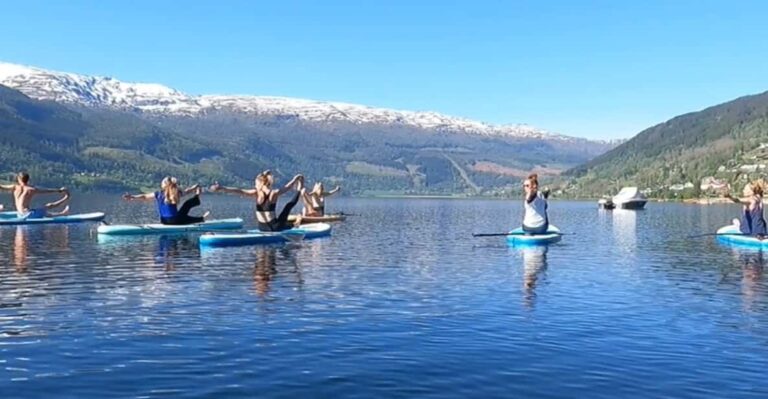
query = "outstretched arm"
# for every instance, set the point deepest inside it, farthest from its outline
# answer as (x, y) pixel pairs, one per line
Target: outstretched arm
(218, 188)
(743, 201)
(139, 197)
(190, 190)
(289, 186)
(334, 191)
(727, 194)
(7, 187)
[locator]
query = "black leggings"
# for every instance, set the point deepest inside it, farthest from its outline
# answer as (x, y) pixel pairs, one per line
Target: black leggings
(281, 223)
(182, 216)
(536, 230)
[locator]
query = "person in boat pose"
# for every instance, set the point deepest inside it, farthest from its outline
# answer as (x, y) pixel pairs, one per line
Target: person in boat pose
(167, 200)
(23, 193)
(314, 201)
(266, 200)
(535, 219)
(752, 219)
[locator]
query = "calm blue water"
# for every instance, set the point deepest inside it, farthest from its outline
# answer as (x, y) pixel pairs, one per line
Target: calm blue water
(400, 302)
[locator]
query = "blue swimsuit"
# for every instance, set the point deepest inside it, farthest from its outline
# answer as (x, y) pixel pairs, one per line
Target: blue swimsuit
(753, 221)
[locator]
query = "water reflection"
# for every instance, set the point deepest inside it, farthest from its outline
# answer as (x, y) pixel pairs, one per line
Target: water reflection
(264, 270)
(423, 308)
(169, 248)
(53, 237)
(20, 249)
(268, 259)
(625, 230)
(534, 268)
(752, 263)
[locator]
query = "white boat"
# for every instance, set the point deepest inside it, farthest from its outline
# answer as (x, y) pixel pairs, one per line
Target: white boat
(630, 198)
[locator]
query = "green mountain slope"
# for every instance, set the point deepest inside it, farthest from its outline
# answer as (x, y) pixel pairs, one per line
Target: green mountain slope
(106, 150)
(103, 148)
(671, 159)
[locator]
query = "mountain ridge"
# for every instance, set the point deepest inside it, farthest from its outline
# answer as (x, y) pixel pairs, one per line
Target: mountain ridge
(131, 135)
(155, 98)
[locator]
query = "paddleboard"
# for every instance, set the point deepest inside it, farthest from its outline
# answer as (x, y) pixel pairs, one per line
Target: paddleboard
(318, 219)
(157, 228)
(13, 219)
(255, 237)
(732, 235)
(518, 237)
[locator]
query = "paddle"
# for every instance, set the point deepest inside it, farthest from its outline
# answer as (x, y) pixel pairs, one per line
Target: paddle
(512, 234)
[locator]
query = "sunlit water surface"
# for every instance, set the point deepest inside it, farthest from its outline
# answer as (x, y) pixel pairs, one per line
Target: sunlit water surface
(401, 301)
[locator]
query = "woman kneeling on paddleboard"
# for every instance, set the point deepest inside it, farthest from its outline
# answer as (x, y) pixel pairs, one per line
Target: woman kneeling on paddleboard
(535, 219)
(752, 219)
(167, 200)
(314, 201)
(266, 200)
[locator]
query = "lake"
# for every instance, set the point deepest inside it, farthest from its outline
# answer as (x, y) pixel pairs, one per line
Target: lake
(400, 302)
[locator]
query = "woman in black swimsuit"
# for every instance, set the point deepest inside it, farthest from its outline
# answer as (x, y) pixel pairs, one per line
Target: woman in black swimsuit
(266, 200)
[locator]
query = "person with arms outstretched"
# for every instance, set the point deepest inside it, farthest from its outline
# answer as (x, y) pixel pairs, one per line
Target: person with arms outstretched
(314, 201)
(266, 200)
(167, 200)
(752, 218)
(23, 193)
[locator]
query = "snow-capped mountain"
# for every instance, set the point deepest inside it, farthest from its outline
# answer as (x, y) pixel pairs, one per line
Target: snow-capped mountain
(158, 99)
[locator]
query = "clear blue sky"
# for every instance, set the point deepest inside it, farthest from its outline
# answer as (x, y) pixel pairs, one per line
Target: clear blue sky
(600, 69)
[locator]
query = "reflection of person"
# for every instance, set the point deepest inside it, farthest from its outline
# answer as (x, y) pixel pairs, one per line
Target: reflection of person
(264, 270)
(534, 263)
(20, 249)
(167, 250)
(752, 274)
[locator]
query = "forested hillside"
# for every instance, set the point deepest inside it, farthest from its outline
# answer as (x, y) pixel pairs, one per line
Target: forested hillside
(115, 149)
(723, 143)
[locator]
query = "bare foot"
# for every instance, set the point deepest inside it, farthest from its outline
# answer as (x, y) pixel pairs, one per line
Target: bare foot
(297, 223)
(198, 190)
(206, 214)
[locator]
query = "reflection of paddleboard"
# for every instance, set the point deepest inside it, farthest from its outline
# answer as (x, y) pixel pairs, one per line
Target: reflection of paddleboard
(156, 228)
(13, 219)
(318, 219)
(732, 235)
(254, 237)
(518, 237)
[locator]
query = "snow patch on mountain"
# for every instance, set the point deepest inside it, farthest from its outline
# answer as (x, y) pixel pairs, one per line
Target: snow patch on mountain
(158, 99)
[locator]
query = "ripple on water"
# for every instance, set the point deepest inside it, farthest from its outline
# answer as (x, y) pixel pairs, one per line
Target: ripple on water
(400, 302)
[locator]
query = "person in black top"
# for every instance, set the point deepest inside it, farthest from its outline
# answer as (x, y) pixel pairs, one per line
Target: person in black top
(266, 200)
